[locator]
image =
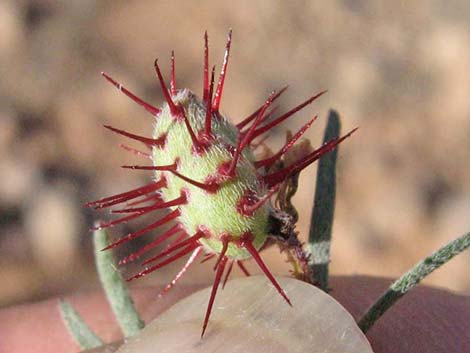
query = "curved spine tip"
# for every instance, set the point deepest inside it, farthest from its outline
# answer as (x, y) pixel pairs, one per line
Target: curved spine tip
(173, 108)
(223, 72)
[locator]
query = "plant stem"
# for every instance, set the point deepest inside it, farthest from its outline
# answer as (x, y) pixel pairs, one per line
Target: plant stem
(115, 288)
(78, 329)
(411, 278)
(321, 223)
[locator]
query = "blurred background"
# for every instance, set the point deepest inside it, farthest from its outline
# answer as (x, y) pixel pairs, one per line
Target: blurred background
(398, 70)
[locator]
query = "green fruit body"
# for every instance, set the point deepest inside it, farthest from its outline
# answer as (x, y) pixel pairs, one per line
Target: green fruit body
(206, 174)
(216, 212)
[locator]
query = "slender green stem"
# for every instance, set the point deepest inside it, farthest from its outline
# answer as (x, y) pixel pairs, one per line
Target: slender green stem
(321, 223)
(411, 278)
(78, 329)
(115, 288)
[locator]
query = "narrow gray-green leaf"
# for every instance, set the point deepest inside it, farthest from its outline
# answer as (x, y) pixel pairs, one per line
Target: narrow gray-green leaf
(114, 286)
(411, 278)
(321, 223)
(78, 329)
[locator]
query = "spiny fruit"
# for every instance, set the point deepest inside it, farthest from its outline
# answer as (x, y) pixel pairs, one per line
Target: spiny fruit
(206, 174)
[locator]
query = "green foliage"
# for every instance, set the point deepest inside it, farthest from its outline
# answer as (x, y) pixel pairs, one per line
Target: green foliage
(321, 223)
(114, 287)
(77, 327)
(116, 293)
(411, 278)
